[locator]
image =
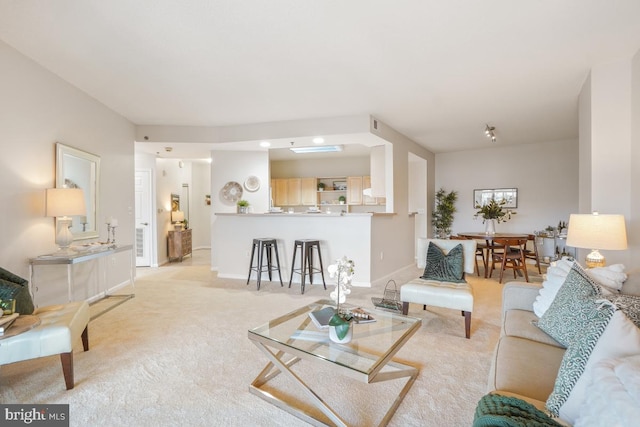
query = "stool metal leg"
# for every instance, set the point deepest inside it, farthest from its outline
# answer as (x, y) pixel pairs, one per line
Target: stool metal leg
(321, 268)
(253, 251)
(293, 263)
(261, 248)
(309, 251)
(303, 267)
(278, 263)
(269, 248)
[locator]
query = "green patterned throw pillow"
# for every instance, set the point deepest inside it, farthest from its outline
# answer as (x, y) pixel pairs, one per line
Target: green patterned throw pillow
(629, 304)
(24, 302)
(444, 267)
(8, 290)
(562, 321)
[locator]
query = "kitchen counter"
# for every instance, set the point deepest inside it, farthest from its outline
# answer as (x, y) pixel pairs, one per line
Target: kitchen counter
(307, 214)
(349, 234)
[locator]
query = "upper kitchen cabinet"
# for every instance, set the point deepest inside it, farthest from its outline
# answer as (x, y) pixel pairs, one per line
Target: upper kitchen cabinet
(354, 190)
(308, 188)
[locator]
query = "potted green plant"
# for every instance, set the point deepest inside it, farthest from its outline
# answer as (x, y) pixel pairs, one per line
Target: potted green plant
(342, 200)
(243, 206)
(321, 186)
(493, 212)
(442, 216)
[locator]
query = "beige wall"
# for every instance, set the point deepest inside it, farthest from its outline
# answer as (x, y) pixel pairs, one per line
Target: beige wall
(545, 174)
(633, 233)
(609, 114)
(39, 109)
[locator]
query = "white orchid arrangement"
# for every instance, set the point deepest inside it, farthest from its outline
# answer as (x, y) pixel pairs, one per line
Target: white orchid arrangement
(343, 270)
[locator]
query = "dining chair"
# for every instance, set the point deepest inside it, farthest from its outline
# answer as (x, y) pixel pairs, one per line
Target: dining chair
(512, 256)
(533, 254)
(480, 248)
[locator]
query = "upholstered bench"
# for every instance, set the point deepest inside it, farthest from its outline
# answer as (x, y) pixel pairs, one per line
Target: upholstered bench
(60, 326)
(457, 296)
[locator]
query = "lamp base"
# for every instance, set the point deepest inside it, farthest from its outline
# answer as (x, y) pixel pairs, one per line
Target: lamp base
(64, 238)
(595, 259)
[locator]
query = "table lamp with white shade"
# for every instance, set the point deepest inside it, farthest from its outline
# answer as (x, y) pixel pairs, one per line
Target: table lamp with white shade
(597, 232)
(177, 217)
(62, 203)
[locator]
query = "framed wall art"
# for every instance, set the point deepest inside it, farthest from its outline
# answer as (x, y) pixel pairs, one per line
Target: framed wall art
(483, 196)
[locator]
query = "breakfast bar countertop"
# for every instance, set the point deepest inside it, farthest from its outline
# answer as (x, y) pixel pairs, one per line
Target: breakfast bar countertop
(305, 214)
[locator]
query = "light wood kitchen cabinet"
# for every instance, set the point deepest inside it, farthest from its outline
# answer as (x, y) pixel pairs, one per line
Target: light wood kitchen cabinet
(286, 191)
(308, 188)
(354, 190)
(293, 191)
(279, 191)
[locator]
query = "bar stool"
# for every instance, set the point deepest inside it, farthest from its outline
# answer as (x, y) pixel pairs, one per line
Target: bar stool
(262, 245)
(306, 263)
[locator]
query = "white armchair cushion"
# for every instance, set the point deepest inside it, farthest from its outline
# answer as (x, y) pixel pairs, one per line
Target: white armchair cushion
(60, 326)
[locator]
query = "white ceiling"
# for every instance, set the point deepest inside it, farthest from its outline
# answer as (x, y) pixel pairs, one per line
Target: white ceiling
(436, 71)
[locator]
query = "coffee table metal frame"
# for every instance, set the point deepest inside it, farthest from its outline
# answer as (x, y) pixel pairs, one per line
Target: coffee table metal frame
(371, 367)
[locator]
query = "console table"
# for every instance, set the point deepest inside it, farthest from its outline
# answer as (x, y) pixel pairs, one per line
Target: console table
(179, 244)
(82, 256)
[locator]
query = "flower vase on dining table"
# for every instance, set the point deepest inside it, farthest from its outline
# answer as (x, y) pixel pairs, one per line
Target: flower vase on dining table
(490, 227)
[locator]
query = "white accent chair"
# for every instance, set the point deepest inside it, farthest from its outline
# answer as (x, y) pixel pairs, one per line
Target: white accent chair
(60, 326)
(457, 296)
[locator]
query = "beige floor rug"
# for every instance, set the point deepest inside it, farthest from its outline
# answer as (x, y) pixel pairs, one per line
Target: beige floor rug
(178, 354)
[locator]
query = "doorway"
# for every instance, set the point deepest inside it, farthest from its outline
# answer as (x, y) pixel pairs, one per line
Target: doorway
(144, 218)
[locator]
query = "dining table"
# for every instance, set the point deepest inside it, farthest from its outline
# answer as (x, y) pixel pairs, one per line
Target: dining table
(489, 238)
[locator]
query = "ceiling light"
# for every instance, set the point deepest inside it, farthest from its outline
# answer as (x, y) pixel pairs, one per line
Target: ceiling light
(317, 149)
(265, 144)
(489, 131)
(318, 140)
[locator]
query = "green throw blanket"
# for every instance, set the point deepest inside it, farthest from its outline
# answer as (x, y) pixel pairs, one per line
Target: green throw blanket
(495, 410)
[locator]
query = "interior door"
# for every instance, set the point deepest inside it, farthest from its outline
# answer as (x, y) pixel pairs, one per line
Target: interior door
(143, 217)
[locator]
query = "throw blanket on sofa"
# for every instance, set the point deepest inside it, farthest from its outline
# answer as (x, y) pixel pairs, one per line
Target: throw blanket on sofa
(495, 410)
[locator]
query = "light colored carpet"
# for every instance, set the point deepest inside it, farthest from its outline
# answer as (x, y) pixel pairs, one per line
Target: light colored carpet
(178, 354)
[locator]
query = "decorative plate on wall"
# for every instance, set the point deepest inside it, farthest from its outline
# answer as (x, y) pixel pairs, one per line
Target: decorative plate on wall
(252, 183)
(232, 191)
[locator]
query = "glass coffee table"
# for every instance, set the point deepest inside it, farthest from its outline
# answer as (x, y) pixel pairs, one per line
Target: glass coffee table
(368, 357)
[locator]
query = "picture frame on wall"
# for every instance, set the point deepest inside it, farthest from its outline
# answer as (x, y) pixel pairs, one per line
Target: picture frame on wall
(482, 196)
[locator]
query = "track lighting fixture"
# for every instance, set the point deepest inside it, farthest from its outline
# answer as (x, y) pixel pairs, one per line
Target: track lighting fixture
(489, 131)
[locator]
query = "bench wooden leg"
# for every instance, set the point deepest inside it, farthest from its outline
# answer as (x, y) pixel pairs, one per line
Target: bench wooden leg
(85, 338)
(67, 368)
(467, 324)
(67, 360)
(405, 308)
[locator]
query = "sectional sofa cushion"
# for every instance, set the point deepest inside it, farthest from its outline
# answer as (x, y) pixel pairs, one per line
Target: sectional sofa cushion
(613, 395)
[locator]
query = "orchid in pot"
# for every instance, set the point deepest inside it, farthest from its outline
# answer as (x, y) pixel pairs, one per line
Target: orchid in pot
(343, 270)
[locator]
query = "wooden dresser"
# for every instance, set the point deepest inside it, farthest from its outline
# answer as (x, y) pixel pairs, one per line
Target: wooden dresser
(179, 244)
